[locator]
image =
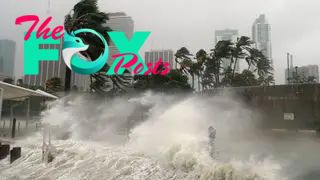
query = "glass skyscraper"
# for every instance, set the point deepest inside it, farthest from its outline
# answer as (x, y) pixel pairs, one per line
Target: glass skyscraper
(261, 36)
(7, 57)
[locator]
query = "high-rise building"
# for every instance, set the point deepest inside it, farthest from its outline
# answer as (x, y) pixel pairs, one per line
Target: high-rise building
(7, 57)
(119, 21)
(261, 36)
(227, 35)
(303, 73)
(154, 56)
(50, 69)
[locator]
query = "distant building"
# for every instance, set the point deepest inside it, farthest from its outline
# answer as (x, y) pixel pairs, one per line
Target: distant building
(7, 57)
(166, 55)
(119, 21)
(304, 72)
(261, 36)
(50, 69)
(225, 35)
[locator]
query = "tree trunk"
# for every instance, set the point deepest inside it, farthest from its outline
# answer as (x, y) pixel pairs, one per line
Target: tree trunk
(234, 67)
(192, 81)
(199, 82)
(202, 85)
(67, 80)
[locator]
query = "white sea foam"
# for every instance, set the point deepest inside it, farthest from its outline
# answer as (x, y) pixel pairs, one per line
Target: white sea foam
(171, 143)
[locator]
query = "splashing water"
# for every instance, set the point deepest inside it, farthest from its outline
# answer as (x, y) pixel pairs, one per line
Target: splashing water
(92, 141)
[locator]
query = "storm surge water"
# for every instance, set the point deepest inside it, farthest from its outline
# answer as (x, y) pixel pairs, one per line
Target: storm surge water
(152, 137)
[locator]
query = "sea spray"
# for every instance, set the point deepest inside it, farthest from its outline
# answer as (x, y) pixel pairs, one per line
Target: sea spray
(170, 142)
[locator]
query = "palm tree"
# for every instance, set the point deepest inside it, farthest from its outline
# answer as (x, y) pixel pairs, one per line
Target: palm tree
(86, 14)
(311, 79)
(240, 51)
(187, 66)
(263, 66)
(201, 57)
(269, 80)
(193, 70)
(221, 52)
(182, 56)
(253, 58)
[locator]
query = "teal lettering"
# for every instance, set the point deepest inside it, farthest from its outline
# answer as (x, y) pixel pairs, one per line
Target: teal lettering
(125, 46)
(32, 53)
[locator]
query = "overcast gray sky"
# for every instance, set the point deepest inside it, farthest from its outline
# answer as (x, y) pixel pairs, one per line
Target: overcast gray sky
(175, 23)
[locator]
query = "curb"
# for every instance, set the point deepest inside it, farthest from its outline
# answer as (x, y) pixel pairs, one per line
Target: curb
(299, 131)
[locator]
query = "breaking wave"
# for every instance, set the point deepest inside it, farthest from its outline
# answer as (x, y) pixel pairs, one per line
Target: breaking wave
(151, 136)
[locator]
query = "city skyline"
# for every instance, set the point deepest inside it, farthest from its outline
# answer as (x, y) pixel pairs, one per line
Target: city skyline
(291, 25)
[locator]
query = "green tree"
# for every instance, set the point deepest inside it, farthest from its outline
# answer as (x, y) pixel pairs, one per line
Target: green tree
(174, 81)
(8, 80)
(182, 55)
(264, 70)
(311, 79)
(240, 51)
(246, 78)
(201, 57)
(221, 52)
(186, 65)
(54, 84)
(86, 14)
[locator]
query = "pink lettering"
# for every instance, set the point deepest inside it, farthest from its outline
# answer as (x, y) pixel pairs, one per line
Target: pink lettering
(57, 30)
(139, 67)
(40, 31)
(45, 33)
(166, 65)
(149, 65)
(27, 18)
(136, 70)
(133, 61)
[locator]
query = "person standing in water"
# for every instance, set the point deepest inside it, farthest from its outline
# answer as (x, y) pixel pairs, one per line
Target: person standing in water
(212, 137)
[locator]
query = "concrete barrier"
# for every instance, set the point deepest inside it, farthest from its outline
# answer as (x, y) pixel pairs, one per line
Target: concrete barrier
(15, 154)
(4, 151)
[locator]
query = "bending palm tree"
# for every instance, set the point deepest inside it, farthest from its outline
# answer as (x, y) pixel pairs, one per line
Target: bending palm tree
(201, 57)
(86, 14)
(241, 50)
(222, 51)
(182, 57)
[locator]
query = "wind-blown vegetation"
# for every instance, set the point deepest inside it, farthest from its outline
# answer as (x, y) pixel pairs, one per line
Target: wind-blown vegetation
(86, 14)
(208, 69)
(204, 67)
